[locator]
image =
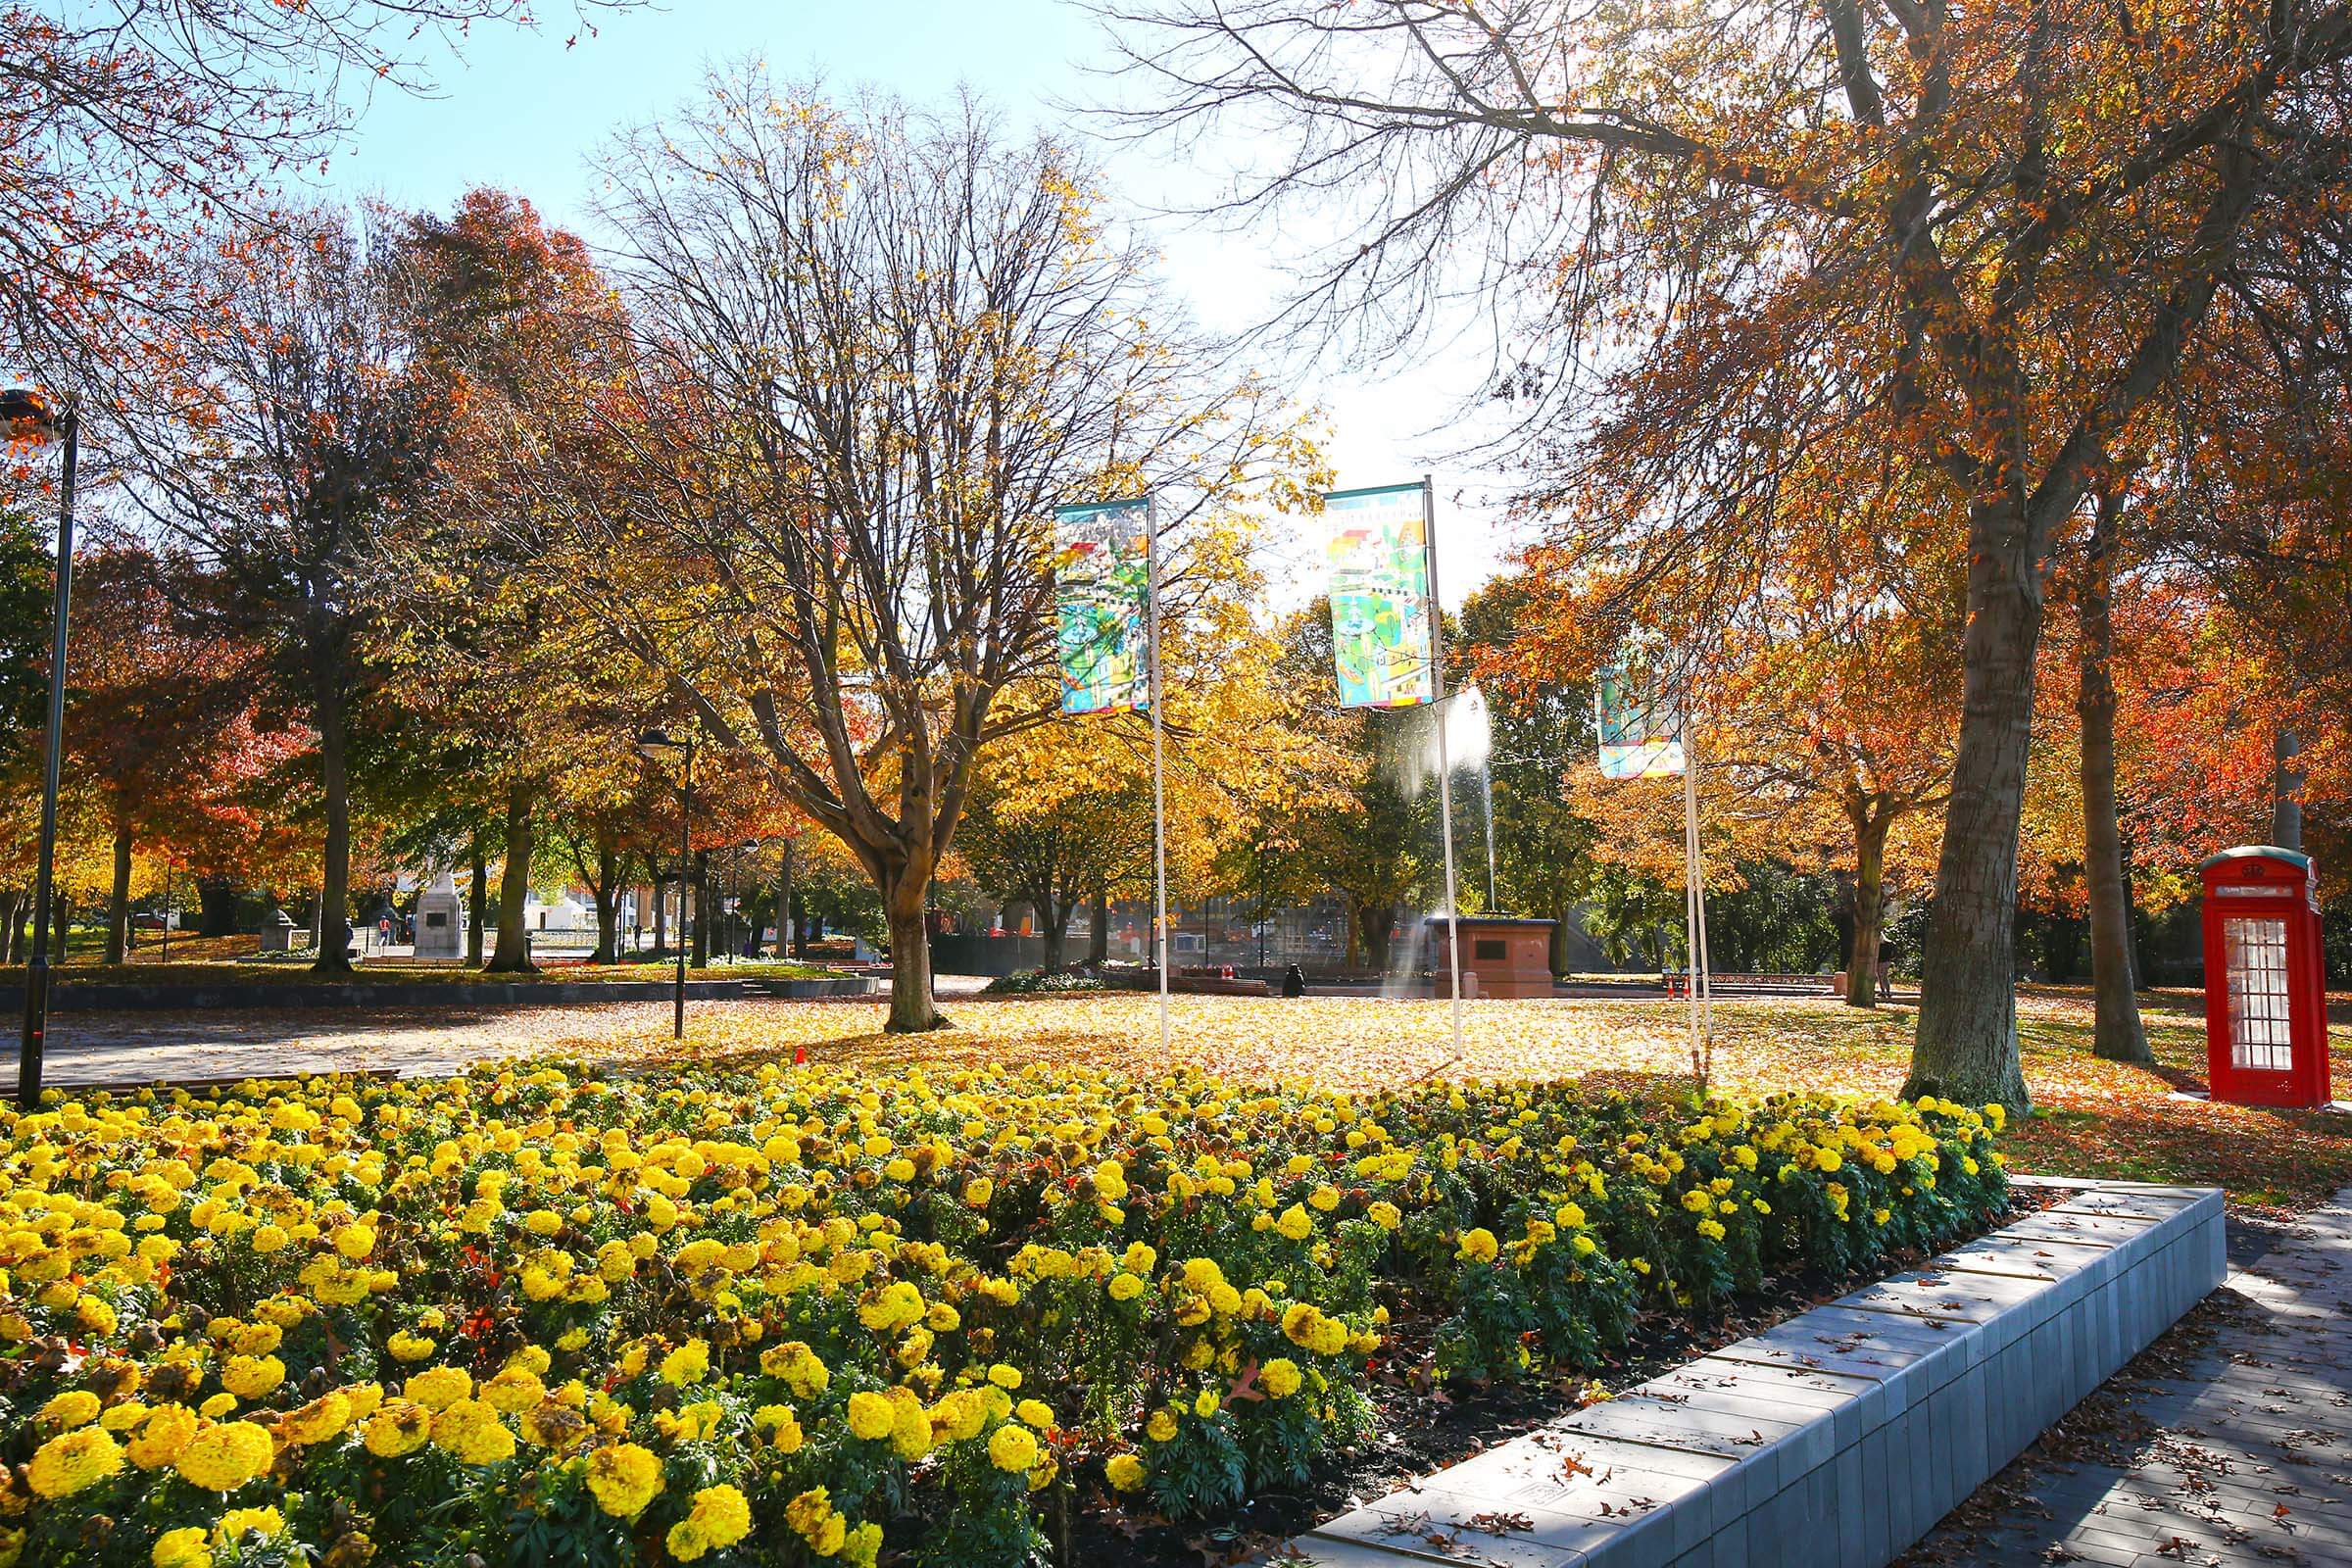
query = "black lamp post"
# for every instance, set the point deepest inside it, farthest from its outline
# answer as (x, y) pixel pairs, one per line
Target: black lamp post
(26, 415)
(653, 743)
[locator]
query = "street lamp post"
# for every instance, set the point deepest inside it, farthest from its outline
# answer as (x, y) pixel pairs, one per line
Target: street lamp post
(653, 743)
(27, 415)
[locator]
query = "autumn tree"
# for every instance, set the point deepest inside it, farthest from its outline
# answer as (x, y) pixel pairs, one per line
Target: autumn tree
(133, 126)
(311, 435)
(153, 717)
(1983, 238)
(516, 322)
(875, 348)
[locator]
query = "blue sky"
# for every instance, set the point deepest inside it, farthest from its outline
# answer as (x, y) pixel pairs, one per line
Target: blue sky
(522, 111)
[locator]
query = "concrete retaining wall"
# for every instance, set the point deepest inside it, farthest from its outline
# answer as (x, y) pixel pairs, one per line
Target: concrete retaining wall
(1838, 1438)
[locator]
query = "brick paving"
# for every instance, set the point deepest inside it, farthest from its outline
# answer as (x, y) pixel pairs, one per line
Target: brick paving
(2227, 1443)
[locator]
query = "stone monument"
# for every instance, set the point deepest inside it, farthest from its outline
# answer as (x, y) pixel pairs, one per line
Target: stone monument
(440, 920)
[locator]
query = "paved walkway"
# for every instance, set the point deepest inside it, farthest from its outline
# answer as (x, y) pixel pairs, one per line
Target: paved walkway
(2227, 1443)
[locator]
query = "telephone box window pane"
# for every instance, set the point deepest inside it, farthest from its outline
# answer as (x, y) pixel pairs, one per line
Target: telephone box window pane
(2258, 1037)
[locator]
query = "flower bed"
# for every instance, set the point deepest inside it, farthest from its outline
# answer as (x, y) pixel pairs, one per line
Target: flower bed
(774, 1316)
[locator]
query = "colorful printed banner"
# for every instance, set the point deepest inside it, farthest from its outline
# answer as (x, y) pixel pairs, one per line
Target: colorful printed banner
(1101, 596)
(1378, 551)
(1640, 729)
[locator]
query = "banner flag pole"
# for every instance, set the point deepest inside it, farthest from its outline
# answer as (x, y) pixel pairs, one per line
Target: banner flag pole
(1159, 810)
(1437, 687)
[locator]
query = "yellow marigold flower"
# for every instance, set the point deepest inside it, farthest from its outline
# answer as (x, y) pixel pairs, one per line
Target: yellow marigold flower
(1004, 1377)
(437, 1388)
(69, 1462)
(1296, 1223)
(1161, 1427)
(624, 1477)
(354, 1241)
(688, 1363)
(398, 1427)
(1125, 1472)
(160, 1438)
(1012, 1448)
(722, 1513)
(77, 1407)
(238, 1523)
(408, 1346)
(471, 1430)
(319, 1421)
(223, 1457)
(1279, 1377)
(1478, 1246)
(1385, 1214)
(184, 1548)
(249, 1377)
(871, 1415)
(267, 1238)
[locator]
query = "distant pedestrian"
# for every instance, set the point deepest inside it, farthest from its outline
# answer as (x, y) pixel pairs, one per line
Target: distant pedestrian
(1885, 971)
(1294, 981)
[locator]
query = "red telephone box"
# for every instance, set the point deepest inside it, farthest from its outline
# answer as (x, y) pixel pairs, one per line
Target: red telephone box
(2266, 1000)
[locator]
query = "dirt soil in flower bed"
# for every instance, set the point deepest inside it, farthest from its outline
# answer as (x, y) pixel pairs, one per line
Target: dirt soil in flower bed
(1425, 1428)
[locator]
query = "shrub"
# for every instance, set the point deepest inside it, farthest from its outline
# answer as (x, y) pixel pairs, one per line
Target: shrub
(1042, 983)
(535, 1314)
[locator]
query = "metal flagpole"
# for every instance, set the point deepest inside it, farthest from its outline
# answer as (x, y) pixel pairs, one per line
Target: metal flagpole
(1437, 686)
(1160, 809)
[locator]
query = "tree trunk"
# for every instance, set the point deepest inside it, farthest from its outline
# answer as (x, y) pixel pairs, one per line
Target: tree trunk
(1054, 921)
(1870, 909)
(217, 904)
(2117, 1032)
(702, 909)
(1098, 935)
(1967, 1045)
(661, 919)
(784, 902)
(1557, 957)
(514, 953)
(904, 898)
(480, 911)
(61, 921)
(117, 900)
(334, 883)
(2286, 792)
(606, 893)
(12, 904)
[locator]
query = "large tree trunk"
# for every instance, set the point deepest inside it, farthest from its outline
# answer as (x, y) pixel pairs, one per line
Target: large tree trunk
(118, 899)
(514, 954)
(217, 904)
(2117, 1032)
(904, 899)
(61, 921)
(2286, 792)
(1557, 957)
(1967, 1046)
(12, 938)
(334, 884)
(1054, 926)
(1098, 932)
(606, 893)
(1870, 908)
(479, 892)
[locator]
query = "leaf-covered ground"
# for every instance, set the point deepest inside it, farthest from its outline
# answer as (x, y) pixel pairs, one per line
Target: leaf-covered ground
(2097, 1118)
(2094, 1118)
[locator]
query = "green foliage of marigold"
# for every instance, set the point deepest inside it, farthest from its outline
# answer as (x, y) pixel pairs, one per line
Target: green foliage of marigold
(771, 1316)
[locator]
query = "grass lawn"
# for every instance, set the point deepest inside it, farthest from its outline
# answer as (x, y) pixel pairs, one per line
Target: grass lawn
(2093, 1118)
